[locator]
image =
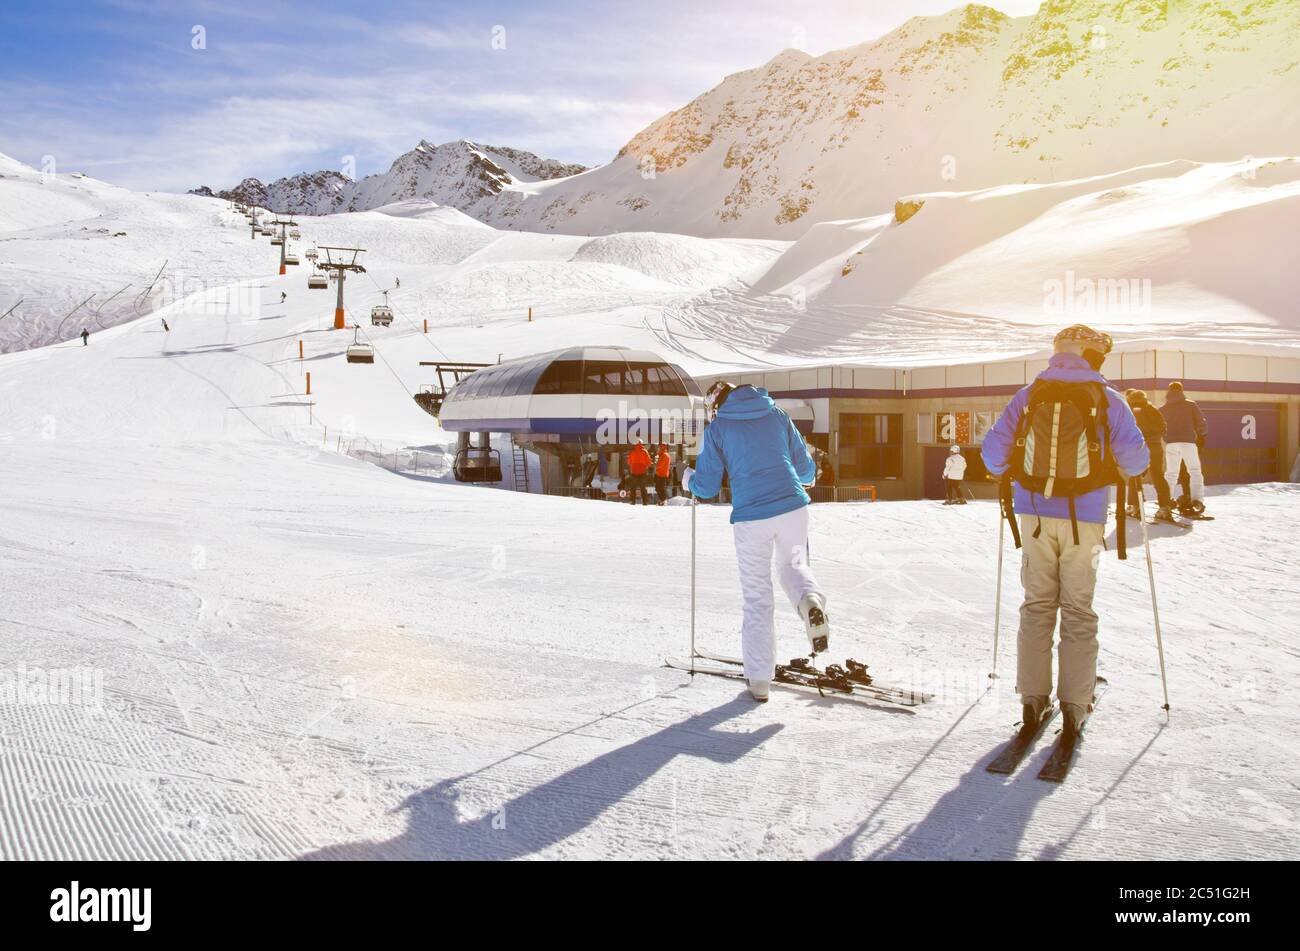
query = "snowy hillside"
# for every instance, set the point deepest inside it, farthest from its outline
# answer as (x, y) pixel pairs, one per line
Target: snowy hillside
(68, 240)
(1200, 252)
(968, 100)
(462, 174)
(288, 653)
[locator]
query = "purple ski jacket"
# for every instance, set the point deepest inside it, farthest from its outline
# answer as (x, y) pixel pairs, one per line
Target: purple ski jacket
(1126, 442)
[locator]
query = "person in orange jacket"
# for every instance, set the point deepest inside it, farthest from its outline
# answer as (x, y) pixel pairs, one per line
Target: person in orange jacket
(663, 473)
(638, 464)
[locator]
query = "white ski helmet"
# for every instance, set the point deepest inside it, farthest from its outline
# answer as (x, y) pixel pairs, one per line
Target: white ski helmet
(716, 396)
(955, 449)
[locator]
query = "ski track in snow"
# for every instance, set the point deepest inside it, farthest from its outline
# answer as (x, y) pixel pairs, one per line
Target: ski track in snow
(363, 690)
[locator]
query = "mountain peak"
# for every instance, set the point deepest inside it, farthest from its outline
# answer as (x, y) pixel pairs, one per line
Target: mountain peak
(459, 173)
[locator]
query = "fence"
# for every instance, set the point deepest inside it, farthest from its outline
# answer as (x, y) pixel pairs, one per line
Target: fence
(433, 462)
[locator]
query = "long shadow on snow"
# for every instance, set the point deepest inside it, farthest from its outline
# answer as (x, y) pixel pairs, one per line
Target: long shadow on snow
(1156, 532)
(559, 808)
(982, 817)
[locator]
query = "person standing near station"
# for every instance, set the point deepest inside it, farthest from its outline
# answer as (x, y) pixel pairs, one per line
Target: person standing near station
(638, 464)
(85, 337)
(663, 472)
(754, 444)
(954, 470)
(1183, 439)
(1152, 424)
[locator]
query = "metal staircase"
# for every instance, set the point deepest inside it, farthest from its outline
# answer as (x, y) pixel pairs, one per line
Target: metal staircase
(520, 457)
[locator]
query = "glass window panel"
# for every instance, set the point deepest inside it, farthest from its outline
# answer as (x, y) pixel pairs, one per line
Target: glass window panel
(634, 379)
(603, 376)
(562, 376)
(525, 381)
(925, 427)
(686, 381)
(492, 383)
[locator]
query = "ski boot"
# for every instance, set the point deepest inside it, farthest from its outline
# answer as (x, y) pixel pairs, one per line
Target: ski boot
(758, 689)
(1165, 514)
(1075, 715)
(813, 611)
(1134, 512)
(1031, 716)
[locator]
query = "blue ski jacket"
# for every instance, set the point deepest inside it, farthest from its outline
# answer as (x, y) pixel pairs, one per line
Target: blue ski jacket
(758, 447)
(1126, 443)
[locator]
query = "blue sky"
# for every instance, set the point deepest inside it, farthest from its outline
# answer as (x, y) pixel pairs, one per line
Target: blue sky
(116, 88)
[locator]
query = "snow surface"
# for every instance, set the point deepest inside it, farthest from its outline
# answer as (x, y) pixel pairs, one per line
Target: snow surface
(303, 655)
(306, 656)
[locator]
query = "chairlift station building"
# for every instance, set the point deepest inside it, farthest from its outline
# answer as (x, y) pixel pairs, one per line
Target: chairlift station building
(885, 427)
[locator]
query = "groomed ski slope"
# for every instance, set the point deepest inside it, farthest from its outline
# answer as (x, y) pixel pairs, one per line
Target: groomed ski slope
(304, 656)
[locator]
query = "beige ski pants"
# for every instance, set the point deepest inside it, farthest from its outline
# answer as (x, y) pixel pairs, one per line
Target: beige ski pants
(1058, 575)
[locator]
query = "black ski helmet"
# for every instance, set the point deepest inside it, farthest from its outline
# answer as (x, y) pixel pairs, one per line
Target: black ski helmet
(716, 396)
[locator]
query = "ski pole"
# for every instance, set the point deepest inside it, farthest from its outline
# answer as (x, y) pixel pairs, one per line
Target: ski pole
(693, 504)
(1155, 608)
(997, 606)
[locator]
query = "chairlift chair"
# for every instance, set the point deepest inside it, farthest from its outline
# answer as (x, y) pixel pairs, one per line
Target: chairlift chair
(358, 351)
(477, 464)
(276, 239)
(381, 315)
(295, 234)
(316, 281)
(291, 257)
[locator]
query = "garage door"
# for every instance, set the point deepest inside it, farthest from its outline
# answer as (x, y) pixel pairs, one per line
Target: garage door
(1242, 444)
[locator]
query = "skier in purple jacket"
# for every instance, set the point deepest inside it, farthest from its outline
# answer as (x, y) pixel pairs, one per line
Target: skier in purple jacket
(1060, 575)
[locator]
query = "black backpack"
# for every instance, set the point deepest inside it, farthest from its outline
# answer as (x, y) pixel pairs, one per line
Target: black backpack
(1062, 448)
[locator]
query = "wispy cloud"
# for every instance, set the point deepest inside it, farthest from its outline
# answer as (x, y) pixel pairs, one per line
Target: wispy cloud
(118, 88)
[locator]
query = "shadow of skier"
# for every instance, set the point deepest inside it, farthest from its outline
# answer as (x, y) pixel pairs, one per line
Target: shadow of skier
(557, 809)
(844, 848)
(982, 817)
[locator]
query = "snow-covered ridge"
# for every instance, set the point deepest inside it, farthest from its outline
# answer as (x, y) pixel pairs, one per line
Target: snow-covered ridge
(461, 174)
(966, 100)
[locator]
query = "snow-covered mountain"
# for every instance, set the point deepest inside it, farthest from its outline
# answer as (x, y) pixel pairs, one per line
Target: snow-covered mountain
(967, 100)
(461, 174)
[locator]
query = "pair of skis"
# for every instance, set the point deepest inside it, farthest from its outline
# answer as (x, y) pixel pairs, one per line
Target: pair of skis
(1062, 756)
(851, 679)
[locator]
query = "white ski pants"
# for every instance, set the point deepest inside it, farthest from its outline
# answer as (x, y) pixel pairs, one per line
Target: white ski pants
(1178, 453)
(783, 539)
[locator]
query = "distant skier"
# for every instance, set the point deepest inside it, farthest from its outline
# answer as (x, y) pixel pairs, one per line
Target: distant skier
(638, 463)
(85, 337)
(1046, 432)
(954, 470)
(1152, 424)
(283, 295)
(397, 282)
(166, 329)
(1186, 433)
(663, 472)
(756, 446)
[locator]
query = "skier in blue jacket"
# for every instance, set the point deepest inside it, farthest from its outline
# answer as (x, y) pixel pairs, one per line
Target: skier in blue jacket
(1058, 574)
(756, 445)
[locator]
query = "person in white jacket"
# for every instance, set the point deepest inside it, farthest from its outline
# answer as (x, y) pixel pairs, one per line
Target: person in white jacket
(954, 470)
